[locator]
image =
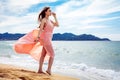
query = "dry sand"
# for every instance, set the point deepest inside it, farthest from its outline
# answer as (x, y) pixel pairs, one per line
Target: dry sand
(9, 72)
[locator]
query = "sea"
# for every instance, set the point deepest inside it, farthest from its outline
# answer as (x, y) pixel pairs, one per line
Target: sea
(85, 60)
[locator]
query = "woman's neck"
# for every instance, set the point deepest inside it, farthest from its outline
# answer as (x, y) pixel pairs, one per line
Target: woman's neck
(47, 17)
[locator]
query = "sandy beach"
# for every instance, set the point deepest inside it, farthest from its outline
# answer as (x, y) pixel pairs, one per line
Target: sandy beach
(10, 72)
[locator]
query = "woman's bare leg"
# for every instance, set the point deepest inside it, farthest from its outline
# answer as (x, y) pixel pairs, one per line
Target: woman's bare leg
(42, 60)
(50, 65)
(49, 49)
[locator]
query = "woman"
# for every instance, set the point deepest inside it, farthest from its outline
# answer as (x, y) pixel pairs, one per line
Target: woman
(41, 45)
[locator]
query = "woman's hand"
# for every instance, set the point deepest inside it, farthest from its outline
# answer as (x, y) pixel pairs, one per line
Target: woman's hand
(56, 22)
(54, 14)
(37, 39)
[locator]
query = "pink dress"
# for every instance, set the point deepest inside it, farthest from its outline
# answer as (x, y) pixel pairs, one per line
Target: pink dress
(26, 44)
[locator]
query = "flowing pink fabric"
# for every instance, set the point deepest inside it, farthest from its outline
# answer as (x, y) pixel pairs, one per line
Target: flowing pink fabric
(26, 44)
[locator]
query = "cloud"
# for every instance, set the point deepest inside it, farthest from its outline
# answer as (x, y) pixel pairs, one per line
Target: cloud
(84, 12)
(28, 21)
(18, 7)
(76, 16)
(15, 18)
(102, 7)
(27, 3)
(94, 20)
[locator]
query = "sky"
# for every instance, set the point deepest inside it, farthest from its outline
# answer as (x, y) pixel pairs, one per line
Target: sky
(97, 17)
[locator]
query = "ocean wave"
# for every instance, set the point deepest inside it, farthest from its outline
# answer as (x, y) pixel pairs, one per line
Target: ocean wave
(92, 72)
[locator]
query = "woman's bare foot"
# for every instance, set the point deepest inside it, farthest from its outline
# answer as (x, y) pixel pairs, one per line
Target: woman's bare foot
(41, 72)
(48, 72)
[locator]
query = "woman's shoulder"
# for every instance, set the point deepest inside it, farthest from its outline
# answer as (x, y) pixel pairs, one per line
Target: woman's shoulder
(44, 20)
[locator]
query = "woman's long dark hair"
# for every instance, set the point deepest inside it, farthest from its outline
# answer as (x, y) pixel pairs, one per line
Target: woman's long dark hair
(42, 13)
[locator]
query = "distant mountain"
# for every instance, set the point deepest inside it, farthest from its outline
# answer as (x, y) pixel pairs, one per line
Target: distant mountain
(57, 36)
(9, 36)
(85, 37)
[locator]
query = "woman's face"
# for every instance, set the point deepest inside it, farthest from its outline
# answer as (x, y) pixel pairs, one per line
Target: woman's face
(48, 12)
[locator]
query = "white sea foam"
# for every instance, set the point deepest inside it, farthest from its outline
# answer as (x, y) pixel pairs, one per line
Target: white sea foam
(82, 70)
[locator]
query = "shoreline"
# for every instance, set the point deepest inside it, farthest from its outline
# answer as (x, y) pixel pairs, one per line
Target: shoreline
(11, 72)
